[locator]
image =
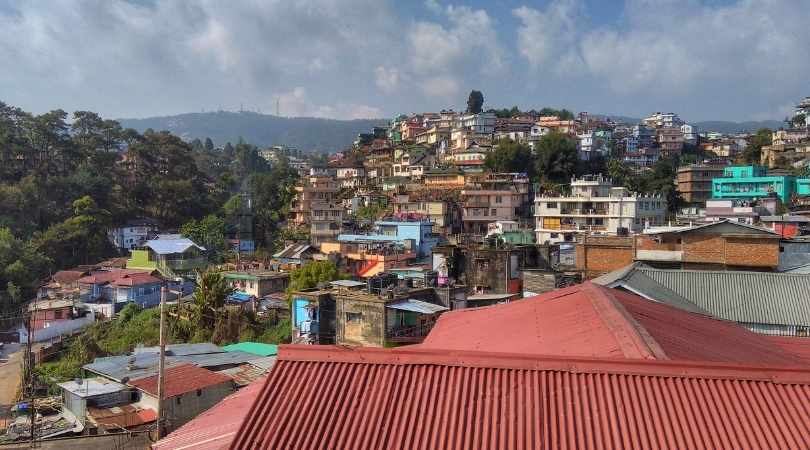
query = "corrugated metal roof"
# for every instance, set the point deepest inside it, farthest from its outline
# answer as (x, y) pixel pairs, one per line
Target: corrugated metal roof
(183, 349)
(181, 379)
(329, 397)
(254, 348)
(747, 297)
(90, 387)
(215, 428)
(142, 365)
(168, 244)
(592, 321)
(417, 306)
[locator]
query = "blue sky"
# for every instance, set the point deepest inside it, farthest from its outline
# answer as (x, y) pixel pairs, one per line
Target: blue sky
(709, 59)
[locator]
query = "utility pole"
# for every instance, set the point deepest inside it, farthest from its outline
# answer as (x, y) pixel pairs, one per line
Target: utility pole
(29, 373)
(161, 361)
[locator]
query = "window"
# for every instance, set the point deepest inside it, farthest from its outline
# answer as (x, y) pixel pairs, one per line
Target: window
(498, 199)
(354, 317)
(551, 205)
(57, 314)
(199, 392)
(493, 212)
(177, 400)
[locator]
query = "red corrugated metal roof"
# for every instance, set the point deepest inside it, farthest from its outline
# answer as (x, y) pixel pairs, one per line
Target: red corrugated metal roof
(135, 279)
(108, 276)
(331, 397)
(797, 346)
(215, 428)
(68, 276)
(181, 379)
(594, 321)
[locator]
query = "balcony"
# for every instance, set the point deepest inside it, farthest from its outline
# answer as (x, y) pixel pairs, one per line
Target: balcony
(409, 334)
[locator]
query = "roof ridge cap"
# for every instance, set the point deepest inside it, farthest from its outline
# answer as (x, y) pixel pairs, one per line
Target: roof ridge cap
(621, 324)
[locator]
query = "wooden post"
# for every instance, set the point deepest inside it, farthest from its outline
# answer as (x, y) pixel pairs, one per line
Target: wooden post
(161, 361)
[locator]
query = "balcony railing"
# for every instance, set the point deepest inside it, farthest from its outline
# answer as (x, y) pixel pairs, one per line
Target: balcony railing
(415, 333)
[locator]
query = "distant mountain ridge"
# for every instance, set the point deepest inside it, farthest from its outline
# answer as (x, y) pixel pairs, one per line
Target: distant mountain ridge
(305, 133)
(720, 126)
(327, 135)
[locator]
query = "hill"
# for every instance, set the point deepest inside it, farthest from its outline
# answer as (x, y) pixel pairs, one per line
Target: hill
(305, 133)
(735, 127)
(720, 126)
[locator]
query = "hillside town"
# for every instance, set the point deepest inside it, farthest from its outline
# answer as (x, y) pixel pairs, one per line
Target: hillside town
(573, 258)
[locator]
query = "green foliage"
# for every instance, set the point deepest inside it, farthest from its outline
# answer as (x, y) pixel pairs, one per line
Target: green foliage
(562, 114)
(372, 212)
(753, 152)
(510, 156)
(312, 273)
(475, 102)
(80, 239)
(210, 233)
(209, 297)
(556, 158)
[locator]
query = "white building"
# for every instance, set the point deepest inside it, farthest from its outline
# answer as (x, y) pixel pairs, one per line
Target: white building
(351, 177)
(595, 206)
(663, 120)
(483, 123)
(589, 144)
(133, 234)
(690, 133)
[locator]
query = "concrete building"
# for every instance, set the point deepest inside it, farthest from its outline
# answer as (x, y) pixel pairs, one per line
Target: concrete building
(663, 120)
(752, 182)
(257, 283)
(483, 123)
(595, 206)
(590, 144)
(326, 221)
(133, 234)
(690, 134)
(320, 189)
(670, 141)
(495, 197)
(695, 181)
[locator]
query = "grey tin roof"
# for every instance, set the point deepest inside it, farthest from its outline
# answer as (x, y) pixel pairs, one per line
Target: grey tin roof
(747, 297)
(145, 364)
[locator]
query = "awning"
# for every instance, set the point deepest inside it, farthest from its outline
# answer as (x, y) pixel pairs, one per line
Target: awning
(417, 306)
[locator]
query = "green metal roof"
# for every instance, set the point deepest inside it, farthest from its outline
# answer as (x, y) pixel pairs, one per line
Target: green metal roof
(254, 348)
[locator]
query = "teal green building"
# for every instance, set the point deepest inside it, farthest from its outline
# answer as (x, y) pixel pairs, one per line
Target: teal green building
(751, 182)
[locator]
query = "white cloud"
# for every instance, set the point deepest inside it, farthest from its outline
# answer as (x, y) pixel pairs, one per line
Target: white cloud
(386, 79)
(297, 103)
(545, 35)
(433, 6)
(442, 56)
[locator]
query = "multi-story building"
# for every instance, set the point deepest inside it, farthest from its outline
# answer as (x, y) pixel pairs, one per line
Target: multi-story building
(471, 159)
(325, 221)
(590, 144)
(695, 181)
(644, 137)
(133, 234)
(670, 141)
(690, 134)
(752, 182)
(444, 177)
(433, 135)
(495, 197)
(725, 148)
(642, 157)
(312, 189)
(663, 120)
(462, 139)
(483, 123)
(553, 123)
(785, 154)
(445, 215)
(595, 206)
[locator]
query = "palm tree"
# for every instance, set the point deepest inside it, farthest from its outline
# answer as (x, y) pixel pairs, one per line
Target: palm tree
(209, 296)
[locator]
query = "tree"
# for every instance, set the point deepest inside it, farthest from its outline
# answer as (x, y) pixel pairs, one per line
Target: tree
(511, 156)
(209, 297)
(475, 102)
(210, 233)
(312, 273)
(556, 157)
(209, 144)
(81, 239)
(753, 152)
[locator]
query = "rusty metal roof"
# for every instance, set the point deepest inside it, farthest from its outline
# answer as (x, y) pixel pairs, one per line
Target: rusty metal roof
(181, 379)
(594, 321)
(333, 397)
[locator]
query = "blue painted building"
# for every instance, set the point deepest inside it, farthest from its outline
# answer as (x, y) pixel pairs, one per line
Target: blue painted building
(420, 233)
(752, 182)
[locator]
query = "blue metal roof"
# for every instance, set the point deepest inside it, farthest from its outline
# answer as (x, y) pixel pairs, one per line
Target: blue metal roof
(241, 297)
(417, 306)
(369, 237)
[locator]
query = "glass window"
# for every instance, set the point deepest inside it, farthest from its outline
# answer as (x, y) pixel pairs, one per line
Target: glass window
(354, 317)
